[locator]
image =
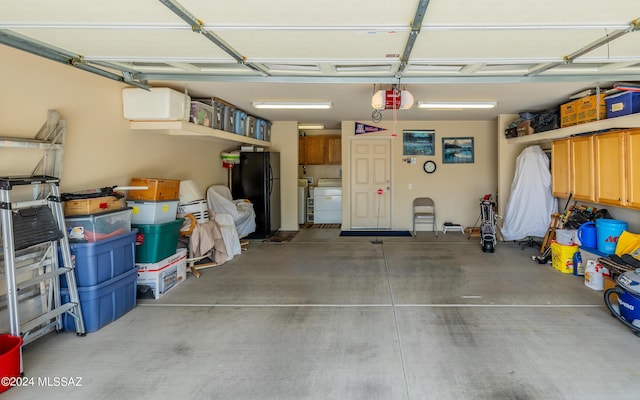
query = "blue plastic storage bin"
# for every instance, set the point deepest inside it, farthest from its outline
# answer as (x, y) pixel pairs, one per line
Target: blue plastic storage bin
(103, 303)
(624, 103)
(98, 262)
(240, 118)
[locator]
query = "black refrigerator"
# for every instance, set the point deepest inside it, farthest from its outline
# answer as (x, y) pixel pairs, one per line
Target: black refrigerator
(257, 178)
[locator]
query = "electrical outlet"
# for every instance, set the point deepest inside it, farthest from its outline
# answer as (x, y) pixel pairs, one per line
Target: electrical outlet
(410, 186)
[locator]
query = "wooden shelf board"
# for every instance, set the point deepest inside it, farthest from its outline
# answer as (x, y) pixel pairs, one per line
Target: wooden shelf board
(188, 129)
(627, 121)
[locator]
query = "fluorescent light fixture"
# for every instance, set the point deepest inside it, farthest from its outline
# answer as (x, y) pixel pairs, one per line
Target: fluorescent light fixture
(456, 104)
(293, 105)
(310, 126)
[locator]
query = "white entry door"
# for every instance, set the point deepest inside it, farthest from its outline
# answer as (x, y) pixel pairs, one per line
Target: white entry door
(371, 183)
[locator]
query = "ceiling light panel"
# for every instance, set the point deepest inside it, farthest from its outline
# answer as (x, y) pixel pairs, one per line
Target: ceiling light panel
(311, 126)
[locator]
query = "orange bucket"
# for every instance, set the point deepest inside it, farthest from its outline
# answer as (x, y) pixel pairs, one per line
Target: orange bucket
(9, 359)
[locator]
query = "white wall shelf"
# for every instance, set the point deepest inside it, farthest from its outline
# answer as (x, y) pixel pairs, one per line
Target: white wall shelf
(627, 121)
(190, 130)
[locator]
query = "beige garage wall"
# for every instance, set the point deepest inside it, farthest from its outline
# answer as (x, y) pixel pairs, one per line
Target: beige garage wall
(455, 188)
(100, 150)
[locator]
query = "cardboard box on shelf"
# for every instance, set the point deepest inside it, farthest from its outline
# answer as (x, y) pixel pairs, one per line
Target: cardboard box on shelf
(590, 108)
(568, 114)
(524, 128)
(156, 279)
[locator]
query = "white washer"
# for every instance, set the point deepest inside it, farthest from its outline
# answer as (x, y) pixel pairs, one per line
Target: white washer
(328, 201)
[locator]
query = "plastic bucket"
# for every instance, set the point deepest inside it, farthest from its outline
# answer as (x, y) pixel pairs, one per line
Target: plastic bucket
(562, 257)
(587, 235)
(565, 236)
(607, 233)
(9, 359)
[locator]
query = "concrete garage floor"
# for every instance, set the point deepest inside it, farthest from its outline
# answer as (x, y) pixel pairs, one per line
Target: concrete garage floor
(325, 317)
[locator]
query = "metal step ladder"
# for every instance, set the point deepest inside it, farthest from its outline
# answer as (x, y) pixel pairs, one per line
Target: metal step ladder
(34, 236)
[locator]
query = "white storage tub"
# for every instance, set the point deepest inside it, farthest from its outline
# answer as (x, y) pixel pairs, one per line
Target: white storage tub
(157, 104)
(152, 212)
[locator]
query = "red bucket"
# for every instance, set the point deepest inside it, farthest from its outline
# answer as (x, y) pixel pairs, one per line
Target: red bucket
(9, 359)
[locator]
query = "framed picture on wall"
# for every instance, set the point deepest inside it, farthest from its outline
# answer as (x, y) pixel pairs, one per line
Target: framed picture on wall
(418, 142)
(457, 150)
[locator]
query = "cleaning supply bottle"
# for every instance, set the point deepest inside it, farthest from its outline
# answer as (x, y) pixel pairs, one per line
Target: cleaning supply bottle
(578, 267)
(594, 274)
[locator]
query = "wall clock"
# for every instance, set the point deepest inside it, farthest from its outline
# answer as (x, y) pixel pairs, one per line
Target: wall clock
(429, 167)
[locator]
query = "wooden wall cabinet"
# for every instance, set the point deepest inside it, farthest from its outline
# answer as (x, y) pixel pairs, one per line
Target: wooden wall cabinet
(572, 168)
(561, 168)
(582, 168)
(319, 150)
(617, 180)
(632, 145)
(610, 168)
(600, 168)
(334, 150)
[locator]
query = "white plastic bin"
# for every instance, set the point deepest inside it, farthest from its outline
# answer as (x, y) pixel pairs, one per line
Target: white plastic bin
(157, 104)
(152, 212)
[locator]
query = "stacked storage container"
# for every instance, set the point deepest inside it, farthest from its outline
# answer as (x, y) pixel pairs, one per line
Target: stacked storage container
(159, 263)
(227, 117)
(102, 246)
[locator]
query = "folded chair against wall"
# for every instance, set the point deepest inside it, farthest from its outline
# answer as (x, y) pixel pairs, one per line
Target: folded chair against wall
(424, 212)
(220, 201)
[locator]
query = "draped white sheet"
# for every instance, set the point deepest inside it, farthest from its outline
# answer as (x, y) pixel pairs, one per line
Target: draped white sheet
(219, 200)
(529, 208)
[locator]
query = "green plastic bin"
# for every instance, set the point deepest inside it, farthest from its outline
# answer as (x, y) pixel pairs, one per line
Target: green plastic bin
(155, 242)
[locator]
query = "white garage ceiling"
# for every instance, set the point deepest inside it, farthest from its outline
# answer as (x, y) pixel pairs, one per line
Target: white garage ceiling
(525, 55)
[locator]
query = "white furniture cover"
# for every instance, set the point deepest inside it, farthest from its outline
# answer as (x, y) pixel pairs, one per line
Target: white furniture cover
(220, 201)
(529, 208)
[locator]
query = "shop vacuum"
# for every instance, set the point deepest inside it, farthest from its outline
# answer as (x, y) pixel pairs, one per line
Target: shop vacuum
(628, 308)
